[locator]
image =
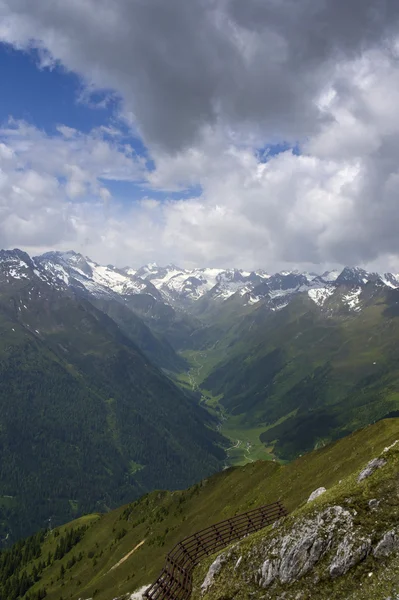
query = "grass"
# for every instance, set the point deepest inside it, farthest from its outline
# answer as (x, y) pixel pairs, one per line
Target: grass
(370, 578)
(246, 446)
(339, 371)
(163, 518)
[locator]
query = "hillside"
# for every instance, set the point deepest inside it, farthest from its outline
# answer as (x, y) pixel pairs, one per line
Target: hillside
(343, 543)
(143, 532)
(279, 364)
(307, 375)
(87, 422)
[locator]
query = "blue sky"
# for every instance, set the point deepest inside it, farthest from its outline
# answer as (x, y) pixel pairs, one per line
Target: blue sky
(49, 96)
(42, 96)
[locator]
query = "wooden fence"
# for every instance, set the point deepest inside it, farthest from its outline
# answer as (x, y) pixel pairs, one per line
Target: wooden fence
(175, 580)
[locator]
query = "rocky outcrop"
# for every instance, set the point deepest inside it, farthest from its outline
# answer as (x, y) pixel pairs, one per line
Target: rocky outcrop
(296, 553)
(372, 466)
(213, 570)
(316, 494)
(387, 545)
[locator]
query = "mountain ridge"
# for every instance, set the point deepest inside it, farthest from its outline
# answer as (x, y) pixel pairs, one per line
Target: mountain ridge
(182, 289)
(85, 418)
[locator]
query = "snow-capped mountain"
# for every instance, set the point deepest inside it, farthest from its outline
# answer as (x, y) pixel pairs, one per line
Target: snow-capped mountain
(18, 268)
(83, 274)
(351, 275)
(336, 288)
(182, 288)
(183, 285)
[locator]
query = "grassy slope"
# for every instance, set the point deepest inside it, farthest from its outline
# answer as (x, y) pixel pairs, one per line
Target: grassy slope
(337, 373)
(246, 445)
(163, 518)
(370, 578)
(86, 421)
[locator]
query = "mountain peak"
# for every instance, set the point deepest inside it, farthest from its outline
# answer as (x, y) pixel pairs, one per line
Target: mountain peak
(353, 275)
(15, 254)
(15, 264)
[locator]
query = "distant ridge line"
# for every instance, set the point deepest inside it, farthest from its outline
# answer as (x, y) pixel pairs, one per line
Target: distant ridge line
(175, 579)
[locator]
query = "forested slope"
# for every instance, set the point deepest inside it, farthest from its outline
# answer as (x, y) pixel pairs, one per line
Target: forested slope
(86, 421)
(109, 555)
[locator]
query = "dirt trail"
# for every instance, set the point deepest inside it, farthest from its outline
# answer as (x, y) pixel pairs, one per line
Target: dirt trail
(122, 560)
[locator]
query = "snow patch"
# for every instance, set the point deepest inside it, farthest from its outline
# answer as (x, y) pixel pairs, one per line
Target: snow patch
(254, 300)
(320, 295)
(352, 299)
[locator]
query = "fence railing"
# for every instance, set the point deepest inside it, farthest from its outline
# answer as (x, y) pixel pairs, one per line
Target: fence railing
(175, 580)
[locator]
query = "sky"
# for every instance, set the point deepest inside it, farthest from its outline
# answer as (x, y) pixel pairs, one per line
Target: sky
(256, 134)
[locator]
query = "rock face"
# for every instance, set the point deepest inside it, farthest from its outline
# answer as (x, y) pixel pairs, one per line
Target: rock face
(372, 466)
(388, 544)
(213, 570)
(292, 556)
(349, 553)
(316, 494)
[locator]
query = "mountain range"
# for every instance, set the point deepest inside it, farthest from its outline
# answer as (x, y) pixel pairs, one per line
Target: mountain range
(118, 381)
(186, 289)
(86, 419)
(182, 288)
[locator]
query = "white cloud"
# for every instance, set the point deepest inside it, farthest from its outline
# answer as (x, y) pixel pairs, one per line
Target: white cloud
(205, 84)
(41, 175)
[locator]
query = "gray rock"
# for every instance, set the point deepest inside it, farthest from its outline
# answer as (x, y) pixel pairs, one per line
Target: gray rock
(238, 563)
(372, 466)
(388, 544)
(138, 594)
(349, 553)
(213, 570)
(269, 572)
(374, 504)
(292, 556)
(316, 494)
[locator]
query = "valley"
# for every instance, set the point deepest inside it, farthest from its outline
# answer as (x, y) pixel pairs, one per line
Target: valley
(118, 382)
(246, 445)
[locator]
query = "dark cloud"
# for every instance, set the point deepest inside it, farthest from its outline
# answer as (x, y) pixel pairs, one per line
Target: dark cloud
(180, 66)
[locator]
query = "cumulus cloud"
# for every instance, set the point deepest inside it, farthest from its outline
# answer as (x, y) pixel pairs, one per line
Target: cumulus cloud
(49, 185)
(206, 84)
(181, 65)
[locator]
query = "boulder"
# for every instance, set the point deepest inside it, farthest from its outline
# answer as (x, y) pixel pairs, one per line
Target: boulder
(372, 466)
(349, 553)
(388, 544)
(212, 571)
(316, 494)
